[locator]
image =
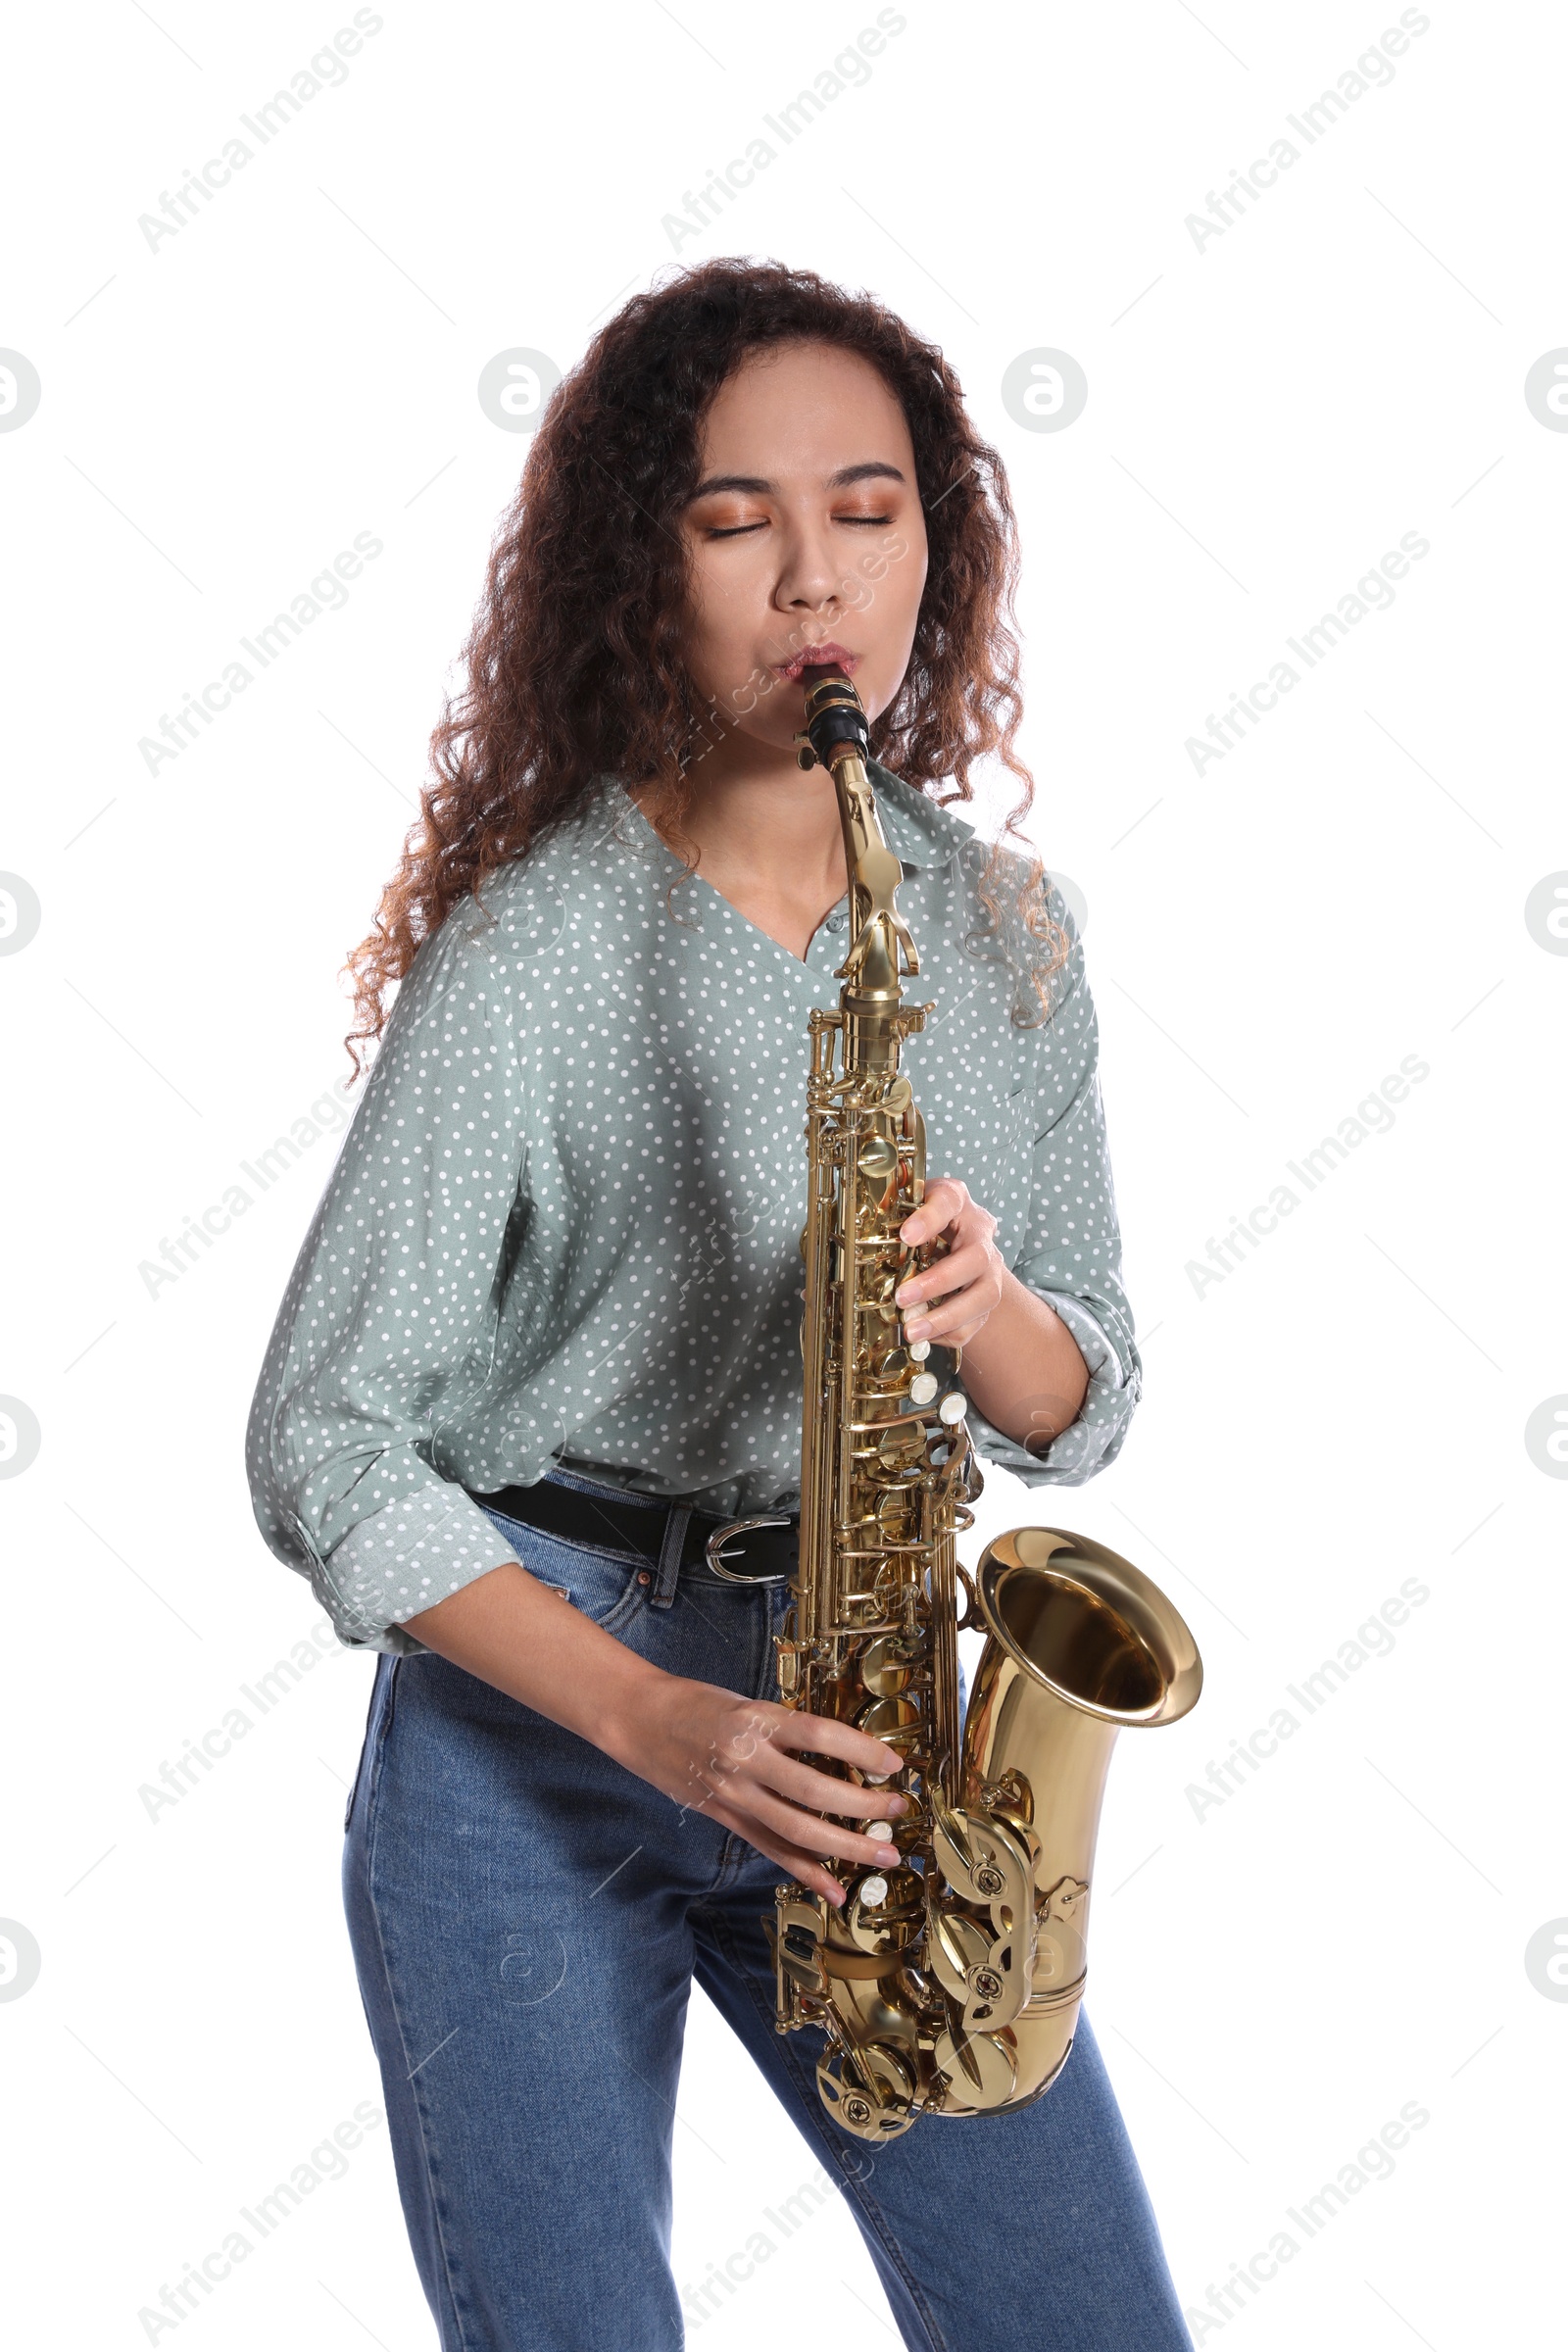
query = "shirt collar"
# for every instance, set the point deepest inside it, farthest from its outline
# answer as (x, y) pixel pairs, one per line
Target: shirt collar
(918, 832)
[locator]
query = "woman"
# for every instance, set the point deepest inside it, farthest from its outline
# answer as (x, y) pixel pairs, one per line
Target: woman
(542, 1335)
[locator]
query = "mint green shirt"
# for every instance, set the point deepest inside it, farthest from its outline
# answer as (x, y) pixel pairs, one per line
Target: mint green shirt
(565, 1221)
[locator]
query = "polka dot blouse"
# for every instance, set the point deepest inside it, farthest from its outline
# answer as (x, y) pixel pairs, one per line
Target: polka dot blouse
(565, 1222)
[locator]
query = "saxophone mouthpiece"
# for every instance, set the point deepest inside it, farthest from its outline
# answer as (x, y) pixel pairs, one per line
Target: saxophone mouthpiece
(835, 718)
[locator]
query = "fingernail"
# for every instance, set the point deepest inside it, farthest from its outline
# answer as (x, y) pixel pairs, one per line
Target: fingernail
(887, 1855)
(835, 1895)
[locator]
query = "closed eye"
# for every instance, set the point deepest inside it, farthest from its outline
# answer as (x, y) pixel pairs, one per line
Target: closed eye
(740, 530)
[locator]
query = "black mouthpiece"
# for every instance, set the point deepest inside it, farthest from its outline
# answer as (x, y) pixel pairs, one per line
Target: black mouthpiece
(834, 714)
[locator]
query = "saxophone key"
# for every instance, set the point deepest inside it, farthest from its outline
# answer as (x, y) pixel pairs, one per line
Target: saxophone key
(889, 1663)
(877, 2103)
(895, 1721)
(982, 1973)
(981, 2070)
(884, 1914)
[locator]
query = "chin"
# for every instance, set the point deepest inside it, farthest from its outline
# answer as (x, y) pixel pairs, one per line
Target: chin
(779, 737)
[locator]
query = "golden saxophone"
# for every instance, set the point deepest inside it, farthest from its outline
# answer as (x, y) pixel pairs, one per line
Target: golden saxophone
(950, 1985)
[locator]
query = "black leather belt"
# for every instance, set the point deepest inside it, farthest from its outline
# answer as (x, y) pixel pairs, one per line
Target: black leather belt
(668, 1535)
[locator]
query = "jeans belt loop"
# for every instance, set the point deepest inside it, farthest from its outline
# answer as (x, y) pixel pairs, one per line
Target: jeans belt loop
(670, 1555)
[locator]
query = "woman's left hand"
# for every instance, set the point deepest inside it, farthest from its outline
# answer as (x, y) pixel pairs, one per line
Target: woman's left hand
(955, 1296)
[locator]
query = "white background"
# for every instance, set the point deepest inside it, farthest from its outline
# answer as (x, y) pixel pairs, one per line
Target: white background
(1267, 414)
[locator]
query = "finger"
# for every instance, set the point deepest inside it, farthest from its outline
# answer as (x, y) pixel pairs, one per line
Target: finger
(820, 1792)
(970, 1308)
(825, 1735)
(745, 1731)
(945, 1203)
(980, 1294)
(798, 1783)
(791, 1860)
(970, 1263)
(781, 1845)
(812, 1835)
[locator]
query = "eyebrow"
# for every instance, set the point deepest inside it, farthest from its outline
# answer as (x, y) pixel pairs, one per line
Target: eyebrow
(875, 469)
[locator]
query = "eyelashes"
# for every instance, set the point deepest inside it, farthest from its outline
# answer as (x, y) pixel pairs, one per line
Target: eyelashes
(742, 530)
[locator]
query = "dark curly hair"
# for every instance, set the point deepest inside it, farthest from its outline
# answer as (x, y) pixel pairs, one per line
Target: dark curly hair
(574, 667)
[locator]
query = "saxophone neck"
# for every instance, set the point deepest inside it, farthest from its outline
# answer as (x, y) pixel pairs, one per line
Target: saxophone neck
(881, 954)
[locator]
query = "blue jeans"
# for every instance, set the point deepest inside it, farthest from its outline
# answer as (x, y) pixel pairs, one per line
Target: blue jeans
(527, 1917)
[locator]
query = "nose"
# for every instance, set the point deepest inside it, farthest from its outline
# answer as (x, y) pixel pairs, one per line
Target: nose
(808, 578)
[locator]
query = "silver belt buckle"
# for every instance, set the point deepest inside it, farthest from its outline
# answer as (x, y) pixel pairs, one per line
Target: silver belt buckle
(714, 1551)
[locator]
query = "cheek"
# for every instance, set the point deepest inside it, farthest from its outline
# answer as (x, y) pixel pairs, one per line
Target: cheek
(720, 629)
(917, 568)
(903, 562)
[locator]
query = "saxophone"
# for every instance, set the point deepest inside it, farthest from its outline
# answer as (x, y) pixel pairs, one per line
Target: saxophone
(950, 1985)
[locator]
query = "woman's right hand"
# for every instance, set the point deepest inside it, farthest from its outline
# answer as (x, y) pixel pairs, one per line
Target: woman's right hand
(739, 1761)
(736, 1760)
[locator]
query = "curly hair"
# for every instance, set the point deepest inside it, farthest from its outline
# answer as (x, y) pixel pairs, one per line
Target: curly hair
(574, 665)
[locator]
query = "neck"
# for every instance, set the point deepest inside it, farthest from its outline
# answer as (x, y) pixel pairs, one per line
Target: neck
(767, 833)
(758, 818)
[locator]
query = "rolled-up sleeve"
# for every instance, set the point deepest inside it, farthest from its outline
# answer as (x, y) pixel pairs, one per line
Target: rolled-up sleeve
(388, 1320)
(1071, 1248)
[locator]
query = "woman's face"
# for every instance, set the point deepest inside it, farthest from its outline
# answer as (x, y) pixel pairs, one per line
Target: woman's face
(805, 538)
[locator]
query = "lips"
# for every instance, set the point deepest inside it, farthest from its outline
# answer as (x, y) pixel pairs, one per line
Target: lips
(812, 656)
